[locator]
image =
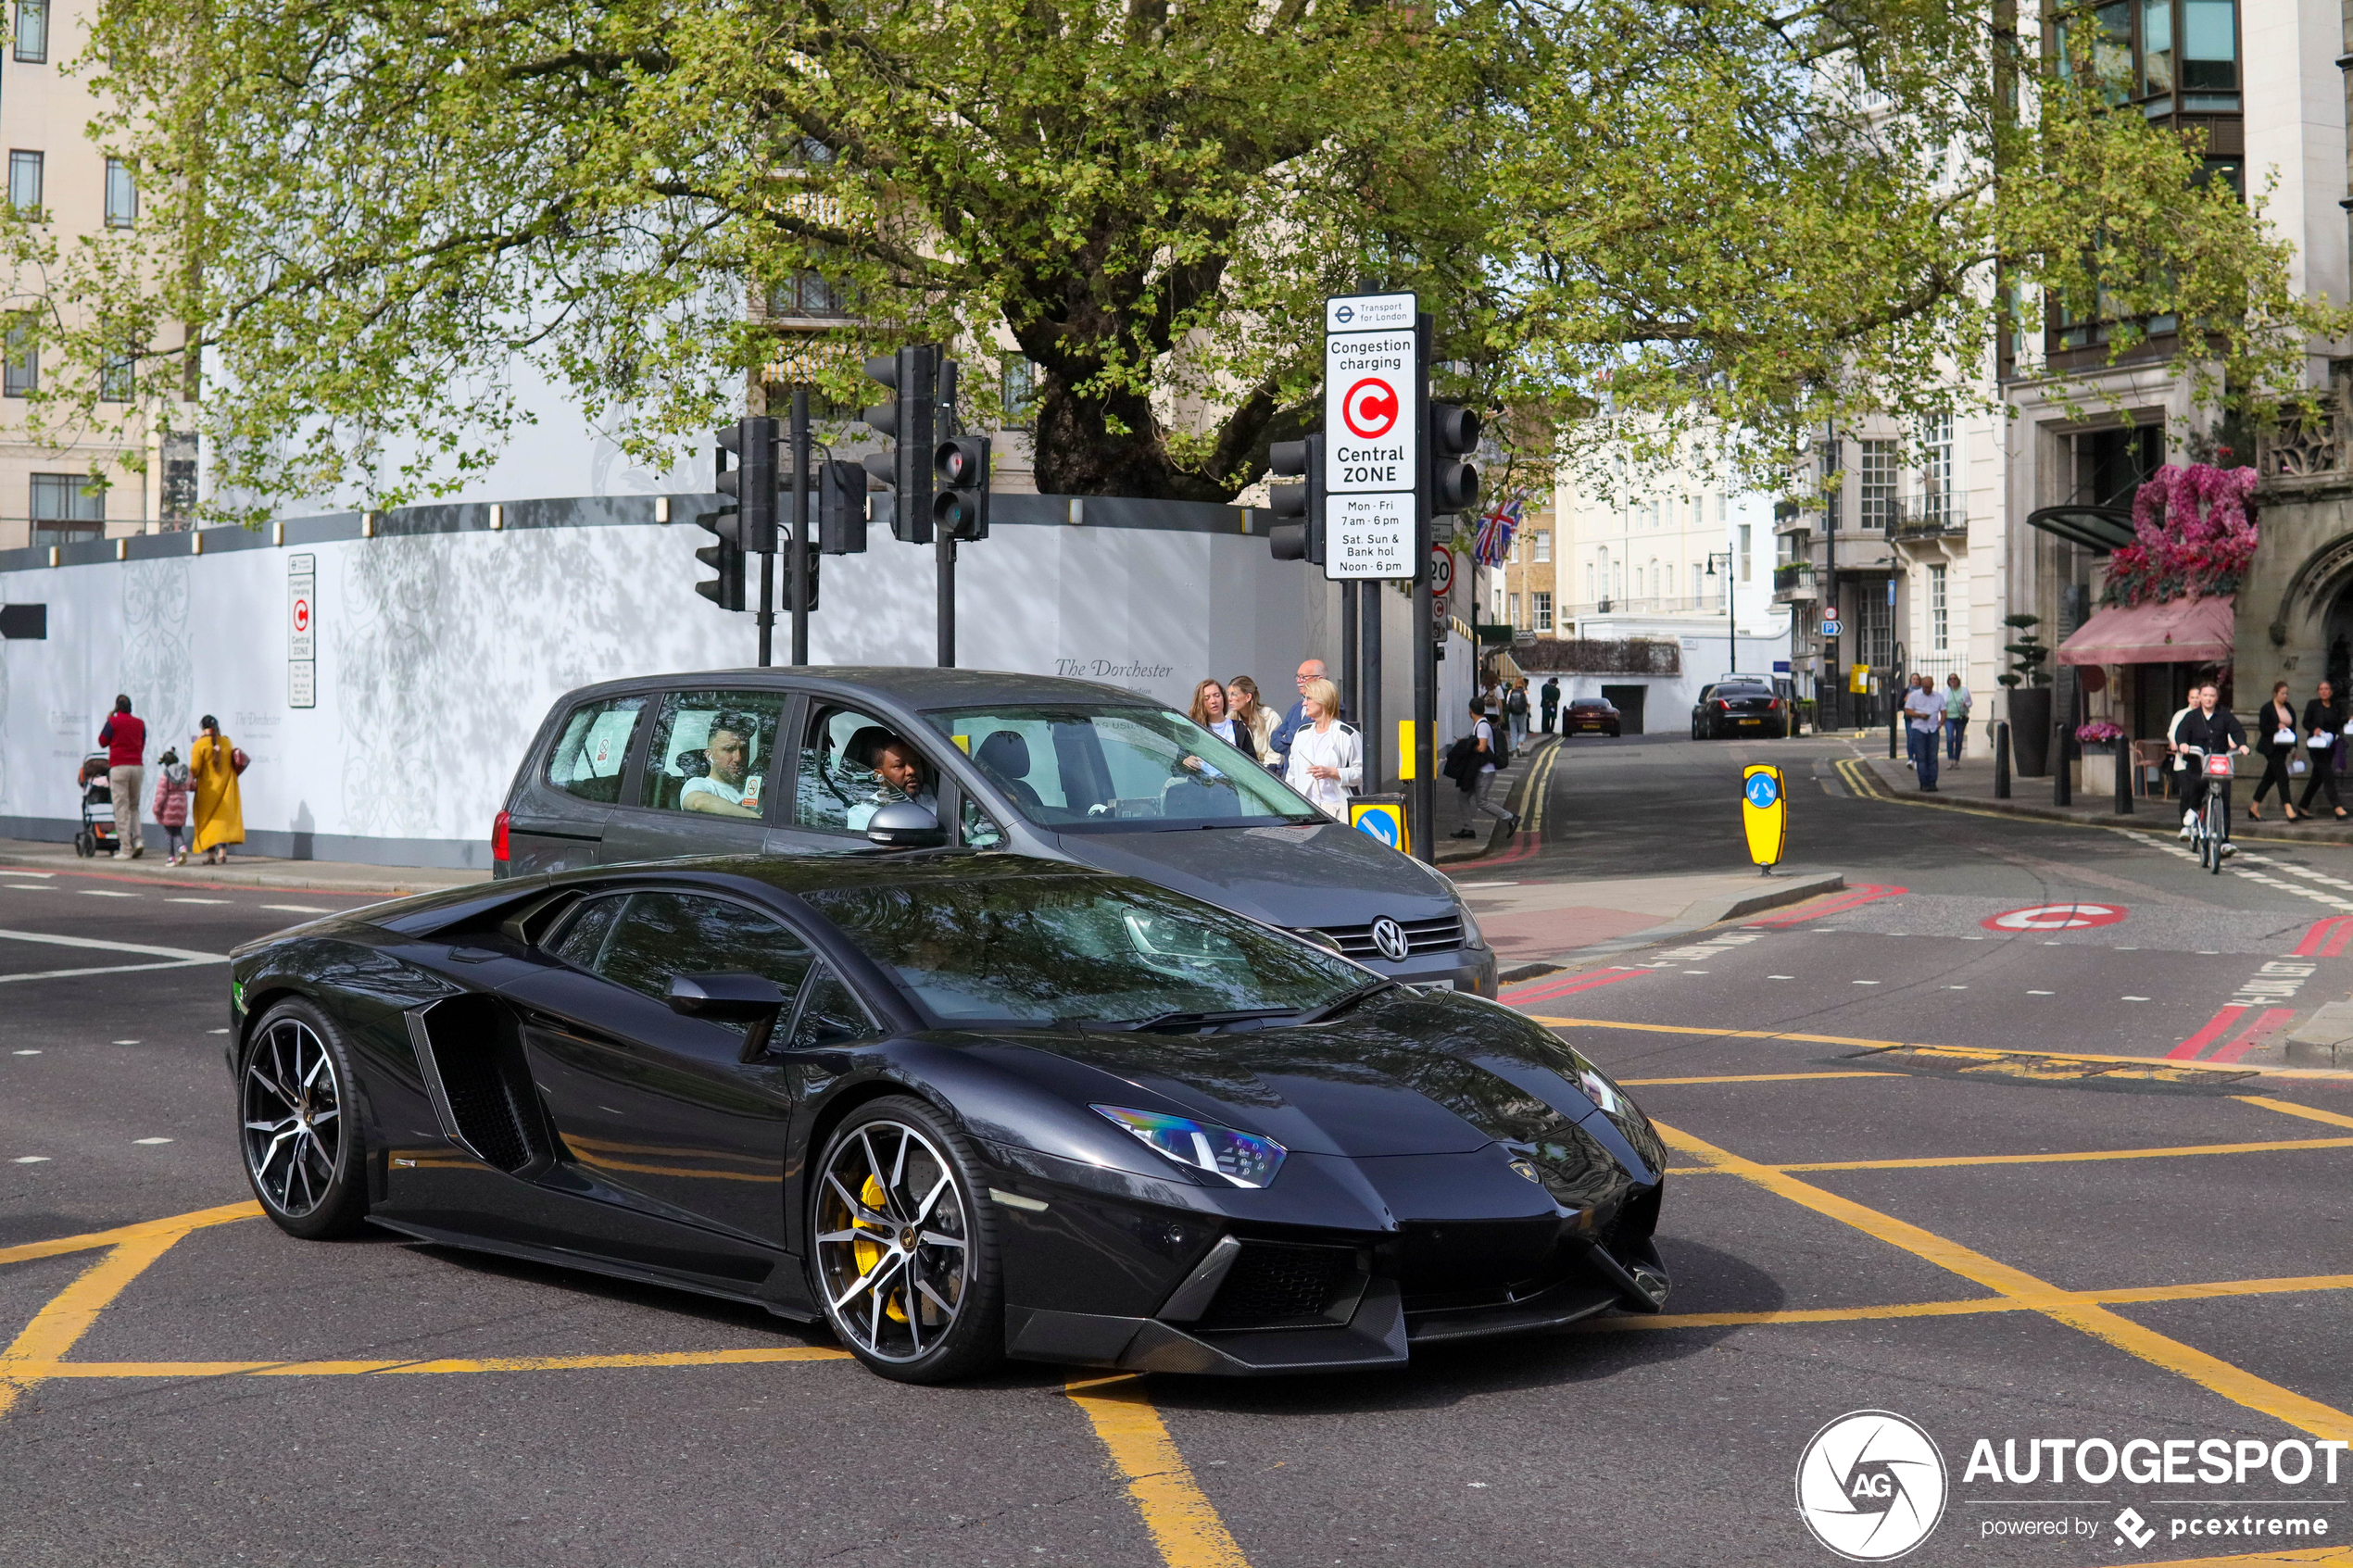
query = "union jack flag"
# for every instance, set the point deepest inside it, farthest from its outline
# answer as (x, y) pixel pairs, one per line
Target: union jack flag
(1495, 531)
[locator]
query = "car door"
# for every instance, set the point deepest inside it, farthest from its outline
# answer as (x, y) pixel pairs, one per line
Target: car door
(710, 760)
(656, 1112)
(559, 820)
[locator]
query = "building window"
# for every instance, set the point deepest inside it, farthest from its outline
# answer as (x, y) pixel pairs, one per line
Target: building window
(1543, 543)
(1936, 467)
(118, 377)
(123, 195)
(1020, 393)
(1938, 628)
(33, 32)
(1745, 573)
(806, 292)
(1543, 603)
(1512, 610)
(20, 365)
(1875, 618)
(24, 182)
(1879, 483)
(67, 506)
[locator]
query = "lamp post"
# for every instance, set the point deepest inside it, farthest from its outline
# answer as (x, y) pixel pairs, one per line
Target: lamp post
(1732, 627)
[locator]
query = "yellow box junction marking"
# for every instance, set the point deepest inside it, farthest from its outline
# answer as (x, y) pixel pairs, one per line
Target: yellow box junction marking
(2072, 1308)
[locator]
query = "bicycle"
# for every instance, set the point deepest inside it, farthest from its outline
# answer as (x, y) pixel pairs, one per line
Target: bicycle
(2209, 833)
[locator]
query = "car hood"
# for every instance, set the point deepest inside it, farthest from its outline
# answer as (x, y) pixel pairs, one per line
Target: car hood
(1408, 1074)
(1324, 874)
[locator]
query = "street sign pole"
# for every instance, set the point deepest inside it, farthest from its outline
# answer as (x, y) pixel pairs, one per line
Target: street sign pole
(941, 391)
(799, 525)
(1374, 418)
(1424, 822)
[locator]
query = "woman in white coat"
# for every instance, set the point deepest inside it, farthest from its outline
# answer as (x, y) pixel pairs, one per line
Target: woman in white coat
(1326, 762)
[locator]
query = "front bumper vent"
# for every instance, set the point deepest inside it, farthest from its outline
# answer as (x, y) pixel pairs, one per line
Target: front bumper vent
(1276, 1285)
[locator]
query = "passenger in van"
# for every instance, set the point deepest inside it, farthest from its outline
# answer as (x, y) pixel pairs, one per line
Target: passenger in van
(723, 791)
(898, 778)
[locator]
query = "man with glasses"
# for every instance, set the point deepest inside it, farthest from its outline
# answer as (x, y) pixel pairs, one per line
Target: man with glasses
(1278, 743)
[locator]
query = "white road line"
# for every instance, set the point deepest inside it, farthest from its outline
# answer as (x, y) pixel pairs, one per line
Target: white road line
(2132, 998)
(195, 900)
(122, 1042)
(2042, 993)
(107, 969)
(186, 955)
(31, 1159)
(216, 1031)
(13, 872)
(299, 908)
(27, 1053)
(150, 1140)
(1781, 977)
(1862, 982)
(1956, 987)
(28, 887)
(108, 893)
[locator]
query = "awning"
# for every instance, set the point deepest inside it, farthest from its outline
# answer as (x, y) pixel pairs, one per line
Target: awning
(2098, 528)
(2183, 631)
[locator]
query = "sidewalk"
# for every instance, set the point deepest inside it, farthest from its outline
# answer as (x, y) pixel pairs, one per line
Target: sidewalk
(1536, 927)
(244, 870)
(1971, 785)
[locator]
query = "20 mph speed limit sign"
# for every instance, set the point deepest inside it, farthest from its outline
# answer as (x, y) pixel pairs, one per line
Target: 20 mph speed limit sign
(1372, 421)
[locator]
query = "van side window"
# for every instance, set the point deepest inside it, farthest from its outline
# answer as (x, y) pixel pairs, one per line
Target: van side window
(711, 752)
(593, 748)
(845, 777)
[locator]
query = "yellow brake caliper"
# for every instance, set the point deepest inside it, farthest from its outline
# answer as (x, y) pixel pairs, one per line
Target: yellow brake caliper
(869, 1253)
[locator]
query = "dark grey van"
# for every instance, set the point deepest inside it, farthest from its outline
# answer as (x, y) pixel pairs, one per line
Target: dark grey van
(798, 762)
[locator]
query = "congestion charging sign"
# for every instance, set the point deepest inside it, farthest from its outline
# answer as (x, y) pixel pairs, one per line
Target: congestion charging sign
(1372, 428)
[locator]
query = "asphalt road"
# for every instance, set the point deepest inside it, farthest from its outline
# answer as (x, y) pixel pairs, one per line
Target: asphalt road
(2156, 1248)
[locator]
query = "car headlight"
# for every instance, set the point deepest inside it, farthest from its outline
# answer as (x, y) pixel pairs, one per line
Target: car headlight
(1244, 1159)
(1472, 936)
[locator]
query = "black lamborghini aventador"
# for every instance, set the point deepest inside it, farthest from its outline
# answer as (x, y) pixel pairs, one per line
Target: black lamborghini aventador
(962, 1107)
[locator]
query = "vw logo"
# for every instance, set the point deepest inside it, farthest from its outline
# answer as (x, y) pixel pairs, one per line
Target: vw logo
(1390, 937)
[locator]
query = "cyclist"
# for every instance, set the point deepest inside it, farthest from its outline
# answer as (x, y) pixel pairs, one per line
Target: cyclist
(2213, 729)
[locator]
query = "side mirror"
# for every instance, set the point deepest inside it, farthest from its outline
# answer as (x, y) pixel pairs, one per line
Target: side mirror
(905, 826)
(735, 996)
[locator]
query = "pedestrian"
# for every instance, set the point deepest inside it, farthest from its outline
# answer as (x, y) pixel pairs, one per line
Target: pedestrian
(1926, 726)
(1211, 713)
(1552, 700)
(2275, 743)
(1470, 762)
(1278, 740)
(2213, 729)
(1242, 698)
(1515, 707)
(2323, 730)
(220, 813)
(125, 738)
(173, 783)
(1956, 703)
(1326, 761)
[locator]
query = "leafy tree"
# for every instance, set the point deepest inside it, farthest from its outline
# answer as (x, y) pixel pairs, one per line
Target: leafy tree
(1665, 215)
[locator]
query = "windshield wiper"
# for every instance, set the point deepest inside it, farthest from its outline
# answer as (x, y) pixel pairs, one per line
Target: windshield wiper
(1364, 992)
(1192, 1020)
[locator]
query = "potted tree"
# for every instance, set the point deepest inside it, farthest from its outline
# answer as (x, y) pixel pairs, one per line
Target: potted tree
(2030, 702)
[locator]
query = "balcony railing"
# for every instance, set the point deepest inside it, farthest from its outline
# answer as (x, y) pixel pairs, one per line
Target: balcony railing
(1920, 517)
(1711, 603)
(1793, 581)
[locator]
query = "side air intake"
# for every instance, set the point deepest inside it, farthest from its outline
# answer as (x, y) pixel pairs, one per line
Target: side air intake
(472, 1059)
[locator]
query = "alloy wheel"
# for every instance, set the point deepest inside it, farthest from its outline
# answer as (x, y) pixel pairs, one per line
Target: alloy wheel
(893, 1241)
(292, 1118)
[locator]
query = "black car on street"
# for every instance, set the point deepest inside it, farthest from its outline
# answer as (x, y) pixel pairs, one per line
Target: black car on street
(1731, 709)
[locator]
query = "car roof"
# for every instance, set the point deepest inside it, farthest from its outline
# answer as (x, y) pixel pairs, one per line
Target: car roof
(911, 685)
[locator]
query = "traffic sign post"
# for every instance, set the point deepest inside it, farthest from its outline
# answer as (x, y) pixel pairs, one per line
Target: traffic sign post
(1383, 817)
(1372, 434)
(1832, 626)
(302, 631)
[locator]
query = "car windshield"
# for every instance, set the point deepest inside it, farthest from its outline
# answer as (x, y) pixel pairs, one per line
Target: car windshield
(1105, 769)
(1079, 949)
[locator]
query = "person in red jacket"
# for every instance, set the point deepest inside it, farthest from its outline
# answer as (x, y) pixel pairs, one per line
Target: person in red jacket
(125, 739)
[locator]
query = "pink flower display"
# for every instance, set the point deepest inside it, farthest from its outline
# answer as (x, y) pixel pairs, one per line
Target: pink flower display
(2192, 536)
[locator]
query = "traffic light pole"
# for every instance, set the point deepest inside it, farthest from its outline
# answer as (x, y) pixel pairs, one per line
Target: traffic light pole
(800, 527)
(1369, 717)
(1424, 824)
(944, 540)
(1351, 692)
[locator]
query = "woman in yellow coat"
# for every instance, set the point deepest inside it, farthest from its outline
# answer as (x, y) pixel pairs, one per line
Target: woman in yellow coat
(220, 817)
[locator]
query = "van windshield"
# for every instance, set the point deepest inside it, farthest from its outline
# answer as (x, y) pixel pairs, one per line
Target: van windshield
(1107, 768)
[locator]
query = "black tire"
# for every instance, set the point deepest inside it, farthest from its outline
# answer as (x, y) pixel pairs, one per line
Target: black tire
(906, 1149)
(299, 1126)
(84, 845)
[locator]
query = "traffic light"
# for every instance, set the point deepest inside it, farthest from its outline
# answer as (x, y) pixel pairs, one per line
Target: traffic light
(910, 420)
(1453, 435)
(753, 483)
(726, 558)
(1302, 540)
(841, 511)
(961, 464)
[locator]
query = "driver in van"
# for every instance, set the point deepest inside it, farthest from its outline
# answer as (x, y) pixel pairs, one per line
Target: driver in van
(722, 791)
(899, 772)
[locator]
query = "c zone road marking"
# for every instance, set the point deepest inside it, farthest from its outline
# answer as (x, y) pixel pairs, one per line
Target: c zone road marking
(2054, 917)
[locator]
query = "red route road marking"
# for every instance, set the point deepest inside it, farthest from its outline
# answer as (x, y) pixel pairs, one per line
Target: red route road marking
(1543, 991)
(2323, 929)
(1833, 904)
(2216, 1027)
(2273, 1019)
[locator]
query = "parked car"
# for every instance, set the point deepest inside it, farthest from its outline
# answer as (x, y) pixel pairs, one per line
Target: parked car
(958, 1106)
(1738, 708)
(803, 762)
(1589, 716)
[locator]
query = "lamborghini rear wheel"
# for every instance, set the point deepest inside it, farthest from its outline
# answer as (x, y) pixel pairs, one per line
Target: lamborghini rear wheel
(905, 1246)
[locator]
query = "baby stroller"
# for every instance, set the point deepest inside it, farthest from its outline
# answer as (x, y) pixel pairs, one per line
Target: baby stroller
(97, 834)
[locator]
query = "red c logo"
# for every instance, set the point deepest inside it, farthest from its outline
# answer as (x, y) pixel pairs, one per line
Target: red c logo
(1371, 408)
